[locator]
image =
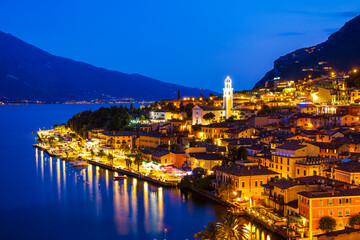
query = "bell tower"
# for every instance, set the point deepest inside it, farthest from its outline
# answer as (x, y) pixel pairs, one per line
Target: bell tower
(228, 97)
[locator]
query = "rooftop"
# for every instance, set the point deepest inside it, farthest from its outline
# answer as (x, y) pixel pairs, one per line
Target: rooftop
(291, 146)
(337, 193)
(206, 156)
(238, 170)
(283, 183)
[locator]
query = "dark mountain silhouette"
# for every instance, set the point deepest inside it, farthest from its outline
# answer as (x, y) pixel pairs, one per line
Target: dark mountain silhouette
(27, 72)
(341, 52)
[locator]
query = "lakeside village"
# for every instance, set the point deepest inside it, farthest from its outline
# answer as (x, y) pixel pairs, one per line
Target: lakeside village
(286, 155)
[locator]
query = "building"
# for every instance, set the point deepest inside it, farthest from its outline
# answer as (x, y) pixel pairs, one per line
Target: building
(348, 172)
(284, 158)
(246, 177)
(199, 111)
(205, 160)
(328, 136)
(160, 115)
(115, 139)
(215, 130)
(177, 158)
(155, 139)
(340, 204)
(308, 108)
(330, 150)
(228, 98)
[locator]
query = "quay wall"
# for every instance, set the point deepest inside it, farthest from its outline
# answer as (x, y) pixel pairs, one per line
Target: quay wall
(119, 170)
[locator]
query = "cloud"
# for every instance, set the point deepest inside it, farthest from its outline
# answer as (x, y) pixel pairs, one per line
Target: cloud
(330, 30)
(348, 14)
(285, 34)
(343, 14)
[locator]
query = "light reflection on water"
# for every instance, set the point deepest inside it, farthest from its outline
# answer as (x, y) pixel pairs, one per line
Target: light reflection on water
(33, 206)
(96, 182)
(137, 206)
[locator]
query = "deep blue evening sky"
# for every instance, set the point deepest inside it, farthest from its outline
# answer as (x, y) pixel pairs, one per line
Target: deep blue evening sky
(189, 42)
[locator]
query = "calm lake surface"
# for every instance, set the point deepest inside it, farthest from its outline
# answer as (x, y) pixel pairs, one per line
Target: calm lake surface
(45, 198)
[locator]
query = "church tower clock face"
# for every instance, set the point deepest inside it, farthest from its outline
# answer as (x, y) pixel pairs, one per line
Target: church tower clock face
(228, 97)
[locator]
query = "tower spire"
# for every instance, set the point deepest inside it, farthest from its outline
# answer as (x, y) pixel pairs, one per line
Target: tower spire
(228, 97)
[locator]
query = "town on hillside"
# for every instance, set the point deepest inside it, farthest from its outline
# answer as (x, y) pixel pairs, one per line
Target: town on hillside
(286, 155)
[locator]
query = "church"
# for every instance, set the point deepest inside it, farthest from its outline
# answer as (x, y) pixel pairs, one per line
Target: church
(221, 113)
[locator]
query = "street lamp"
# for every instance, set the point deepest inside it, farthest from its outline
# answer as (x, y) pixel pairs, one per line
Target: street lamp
(165, 231)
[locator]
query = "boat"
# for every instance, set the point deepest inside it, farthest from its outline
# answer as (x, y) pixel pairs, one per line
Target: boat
(120, 177)
(79, 164)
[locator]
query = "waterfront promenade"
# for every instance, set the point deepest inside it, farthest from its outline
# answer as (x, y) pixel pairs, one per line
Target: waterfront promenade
(117, 169)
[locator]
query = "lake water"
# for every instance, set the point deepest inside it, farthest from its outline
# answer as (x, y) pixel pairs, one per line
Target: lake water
(45, 198)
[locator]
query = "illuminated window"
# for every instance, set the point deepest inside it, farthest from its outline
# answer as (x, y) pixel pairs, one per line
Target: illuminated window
(347, 212)
(340, 212)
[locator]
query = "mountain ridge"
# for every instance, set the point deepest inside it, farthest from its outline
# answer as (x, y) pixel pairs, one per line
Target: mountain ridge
(28, 72)
(341, 51)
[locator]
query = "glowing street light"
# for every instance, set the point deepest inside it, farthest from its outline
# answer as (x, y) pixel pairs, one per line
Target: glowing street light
(314, 96)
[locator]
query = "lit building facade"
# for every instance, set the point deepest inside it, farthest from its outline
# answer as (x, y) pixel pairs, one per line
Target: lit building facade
(228, 97)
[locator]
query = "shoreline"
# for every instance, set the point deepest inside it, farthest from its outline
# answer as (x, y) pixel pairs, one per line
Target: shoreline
(118, 170)
(202, 193)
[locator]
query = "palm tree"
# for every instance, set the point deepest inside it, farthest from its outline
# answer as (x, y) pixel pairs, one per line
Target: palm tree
(101, 153)
(231, 229)
(110, 157)
(138, 160)
(128, 162)
(210, 233)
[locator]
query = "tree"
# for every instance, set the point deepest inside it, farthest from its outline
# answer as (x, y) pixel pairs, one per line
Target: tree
(233, 153)
(242, 153)
(125, 148)
(110, 158)
(327, 224)
(101, 153)
(209, 116)
(354, 80)
(198, 172)
(192, 143)
(138, 160)
(92, 153)
(128, 162)
(201, 97)
(210, 233)
(188, 110)
(202, 183)
(185, 182)
(178, 98)
(231, 229)
(353, 220)
(224, 191)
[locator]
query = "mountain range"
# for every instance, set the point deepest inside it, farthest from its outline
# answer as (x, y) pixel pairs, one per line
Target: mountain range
(29, 73)
(341, 52)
